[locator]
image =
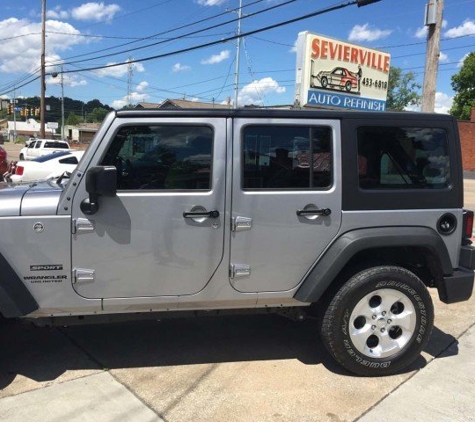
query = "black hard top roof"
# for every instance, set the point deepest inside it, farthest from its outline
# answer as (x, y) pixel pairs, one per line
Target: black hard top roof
(286, 113)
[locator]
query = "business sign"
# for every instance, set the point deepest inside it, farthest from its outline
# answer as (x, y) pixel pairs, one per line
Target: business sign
(52, 125)
(336, 74)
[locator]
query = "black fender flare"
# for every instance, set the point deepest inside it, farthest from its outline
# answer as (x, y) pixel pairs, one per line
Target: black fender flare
(326, 269)
(15, 299)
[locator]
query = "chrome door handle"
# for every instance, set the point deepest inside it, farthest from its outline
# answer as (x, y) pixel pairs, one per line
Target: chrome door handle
(322, 211)
(197, 214)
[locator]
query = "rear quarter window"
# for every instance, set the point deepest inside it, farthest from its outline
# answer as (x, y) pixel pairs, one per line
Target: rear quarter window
(393, 158)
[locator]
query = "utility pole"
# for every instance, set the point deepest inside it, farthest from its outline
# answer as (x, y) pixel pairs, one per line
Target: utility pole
(238, 47)
(433, 20)
(130, 74)
(62, 104)
(14, 115)
(43, 82)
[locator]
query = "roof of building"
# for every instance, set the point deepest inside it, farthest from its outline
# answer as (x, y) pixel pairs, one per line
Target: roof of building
(174, 104)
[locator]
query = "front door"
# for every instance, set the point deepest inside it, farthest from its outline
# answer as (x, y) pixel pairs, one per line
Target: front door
(154, 238)
(286, 202)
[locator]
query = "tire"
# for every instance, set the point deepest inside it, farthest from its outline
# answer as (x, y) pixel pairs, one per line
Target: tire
(379, 321)
(22, 158)
(324, 82)
(348, 86)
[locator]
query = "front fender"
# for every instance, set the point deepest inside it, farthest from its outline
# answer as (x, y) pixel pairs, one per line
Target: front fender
(349, 244)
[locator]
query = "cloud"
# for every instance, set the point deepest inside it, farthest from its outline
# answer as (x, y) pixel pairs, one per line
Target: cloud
(443, 103)
(443, 57)
(135, 97)
(142, 86)
(57, 13)
(96, 12)
(138, 96)
(118, 71)
(467, 28)
(294, 48)
(421, 33)
(178, 67)
(462, 60)
(216, 58)
(22, 53)
(253, 92)
(210, 2)
(71, 81)
(365, 33)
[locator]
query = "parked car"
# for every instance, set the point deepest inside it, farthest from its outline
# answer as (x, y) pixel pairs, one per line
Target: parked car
(339, 77)
(45, 167)
(3, 162)
(42, 147)
(30, 141)
(192, 212)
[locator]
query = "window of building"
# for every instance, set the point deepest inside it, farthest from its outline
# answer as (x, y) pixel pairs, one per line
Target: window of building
(287, 157)
(403, 158)
(162, 157)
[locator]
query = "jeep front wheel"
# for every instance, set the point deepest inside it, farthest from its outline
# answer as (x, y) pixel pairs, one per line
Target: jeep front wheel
(379, 321)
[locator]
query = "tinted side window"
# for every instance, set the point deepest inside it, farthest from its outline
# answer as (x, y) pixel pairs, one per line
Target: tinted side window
(69, 160)
(286, 157)
(403, 158)
(162, 157)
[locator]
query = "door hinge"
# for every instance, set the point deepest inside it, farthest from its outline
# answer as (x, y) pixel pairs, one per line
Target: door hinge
(82, 225)
(239, 270)
(239, 223)
(83, 275)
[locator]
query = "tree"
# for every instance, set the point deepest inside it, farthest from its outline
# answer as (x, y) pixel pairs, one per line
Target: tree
(98, 114)
(463, 83)
(72, 119)
(403, 90)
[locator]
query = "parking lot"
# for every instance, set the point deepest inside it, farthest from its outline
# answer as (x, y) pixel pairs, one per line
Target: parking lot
(235, 368)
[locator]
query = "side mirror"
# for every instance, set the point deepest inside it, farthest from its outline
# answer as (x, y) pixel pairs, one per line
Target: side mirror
(100, 181)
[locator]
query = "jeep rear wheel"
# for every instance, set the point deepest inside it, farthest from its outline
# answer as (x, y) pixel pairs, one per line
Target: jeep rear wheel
(379, 321)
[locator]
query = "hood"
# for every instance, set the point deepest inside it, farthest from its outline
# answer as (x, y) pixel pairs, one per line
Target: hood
(29, 199)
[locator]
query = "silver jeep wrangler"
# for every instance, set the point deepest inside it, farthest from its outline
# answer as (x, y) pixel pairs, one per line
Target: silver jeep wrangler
(349, 215)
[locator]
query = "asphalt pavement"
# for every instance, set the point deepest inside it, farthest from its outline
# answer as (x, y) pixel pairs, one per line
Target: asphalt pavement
(236, 368)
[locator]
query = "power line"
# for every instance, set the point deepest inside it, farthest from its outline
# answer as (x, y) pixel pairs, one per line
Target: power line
(249, 15)
(244, 34)
(160, 33)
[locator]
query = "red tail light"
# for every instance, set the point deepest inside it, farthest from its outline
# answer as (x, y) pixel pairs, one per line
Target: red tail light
(467, 224)
(19, 170)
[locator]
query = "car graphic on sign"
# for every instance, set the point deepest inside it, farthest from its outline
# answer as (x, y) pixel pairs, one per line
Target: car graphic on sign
(338, 78)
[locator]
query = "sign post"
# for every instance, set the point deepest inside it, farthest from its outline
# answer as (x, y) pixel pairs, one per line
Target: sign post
(336, 74)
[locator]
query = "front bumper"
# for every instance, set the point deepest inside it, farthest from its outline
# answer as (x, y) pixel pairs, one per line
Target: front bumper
(458, 287)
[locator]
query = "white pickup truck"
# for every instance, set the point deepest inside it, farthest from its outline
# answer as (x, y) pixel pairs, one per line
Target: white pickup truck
(42, 147)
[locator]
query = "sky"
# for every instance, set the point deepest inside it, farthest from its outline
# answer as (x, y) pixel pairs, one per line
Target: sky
(83, 35)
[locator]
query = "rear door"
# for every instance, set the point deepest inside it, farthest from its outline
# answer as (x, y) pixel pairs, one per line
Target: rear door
(286, 200)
